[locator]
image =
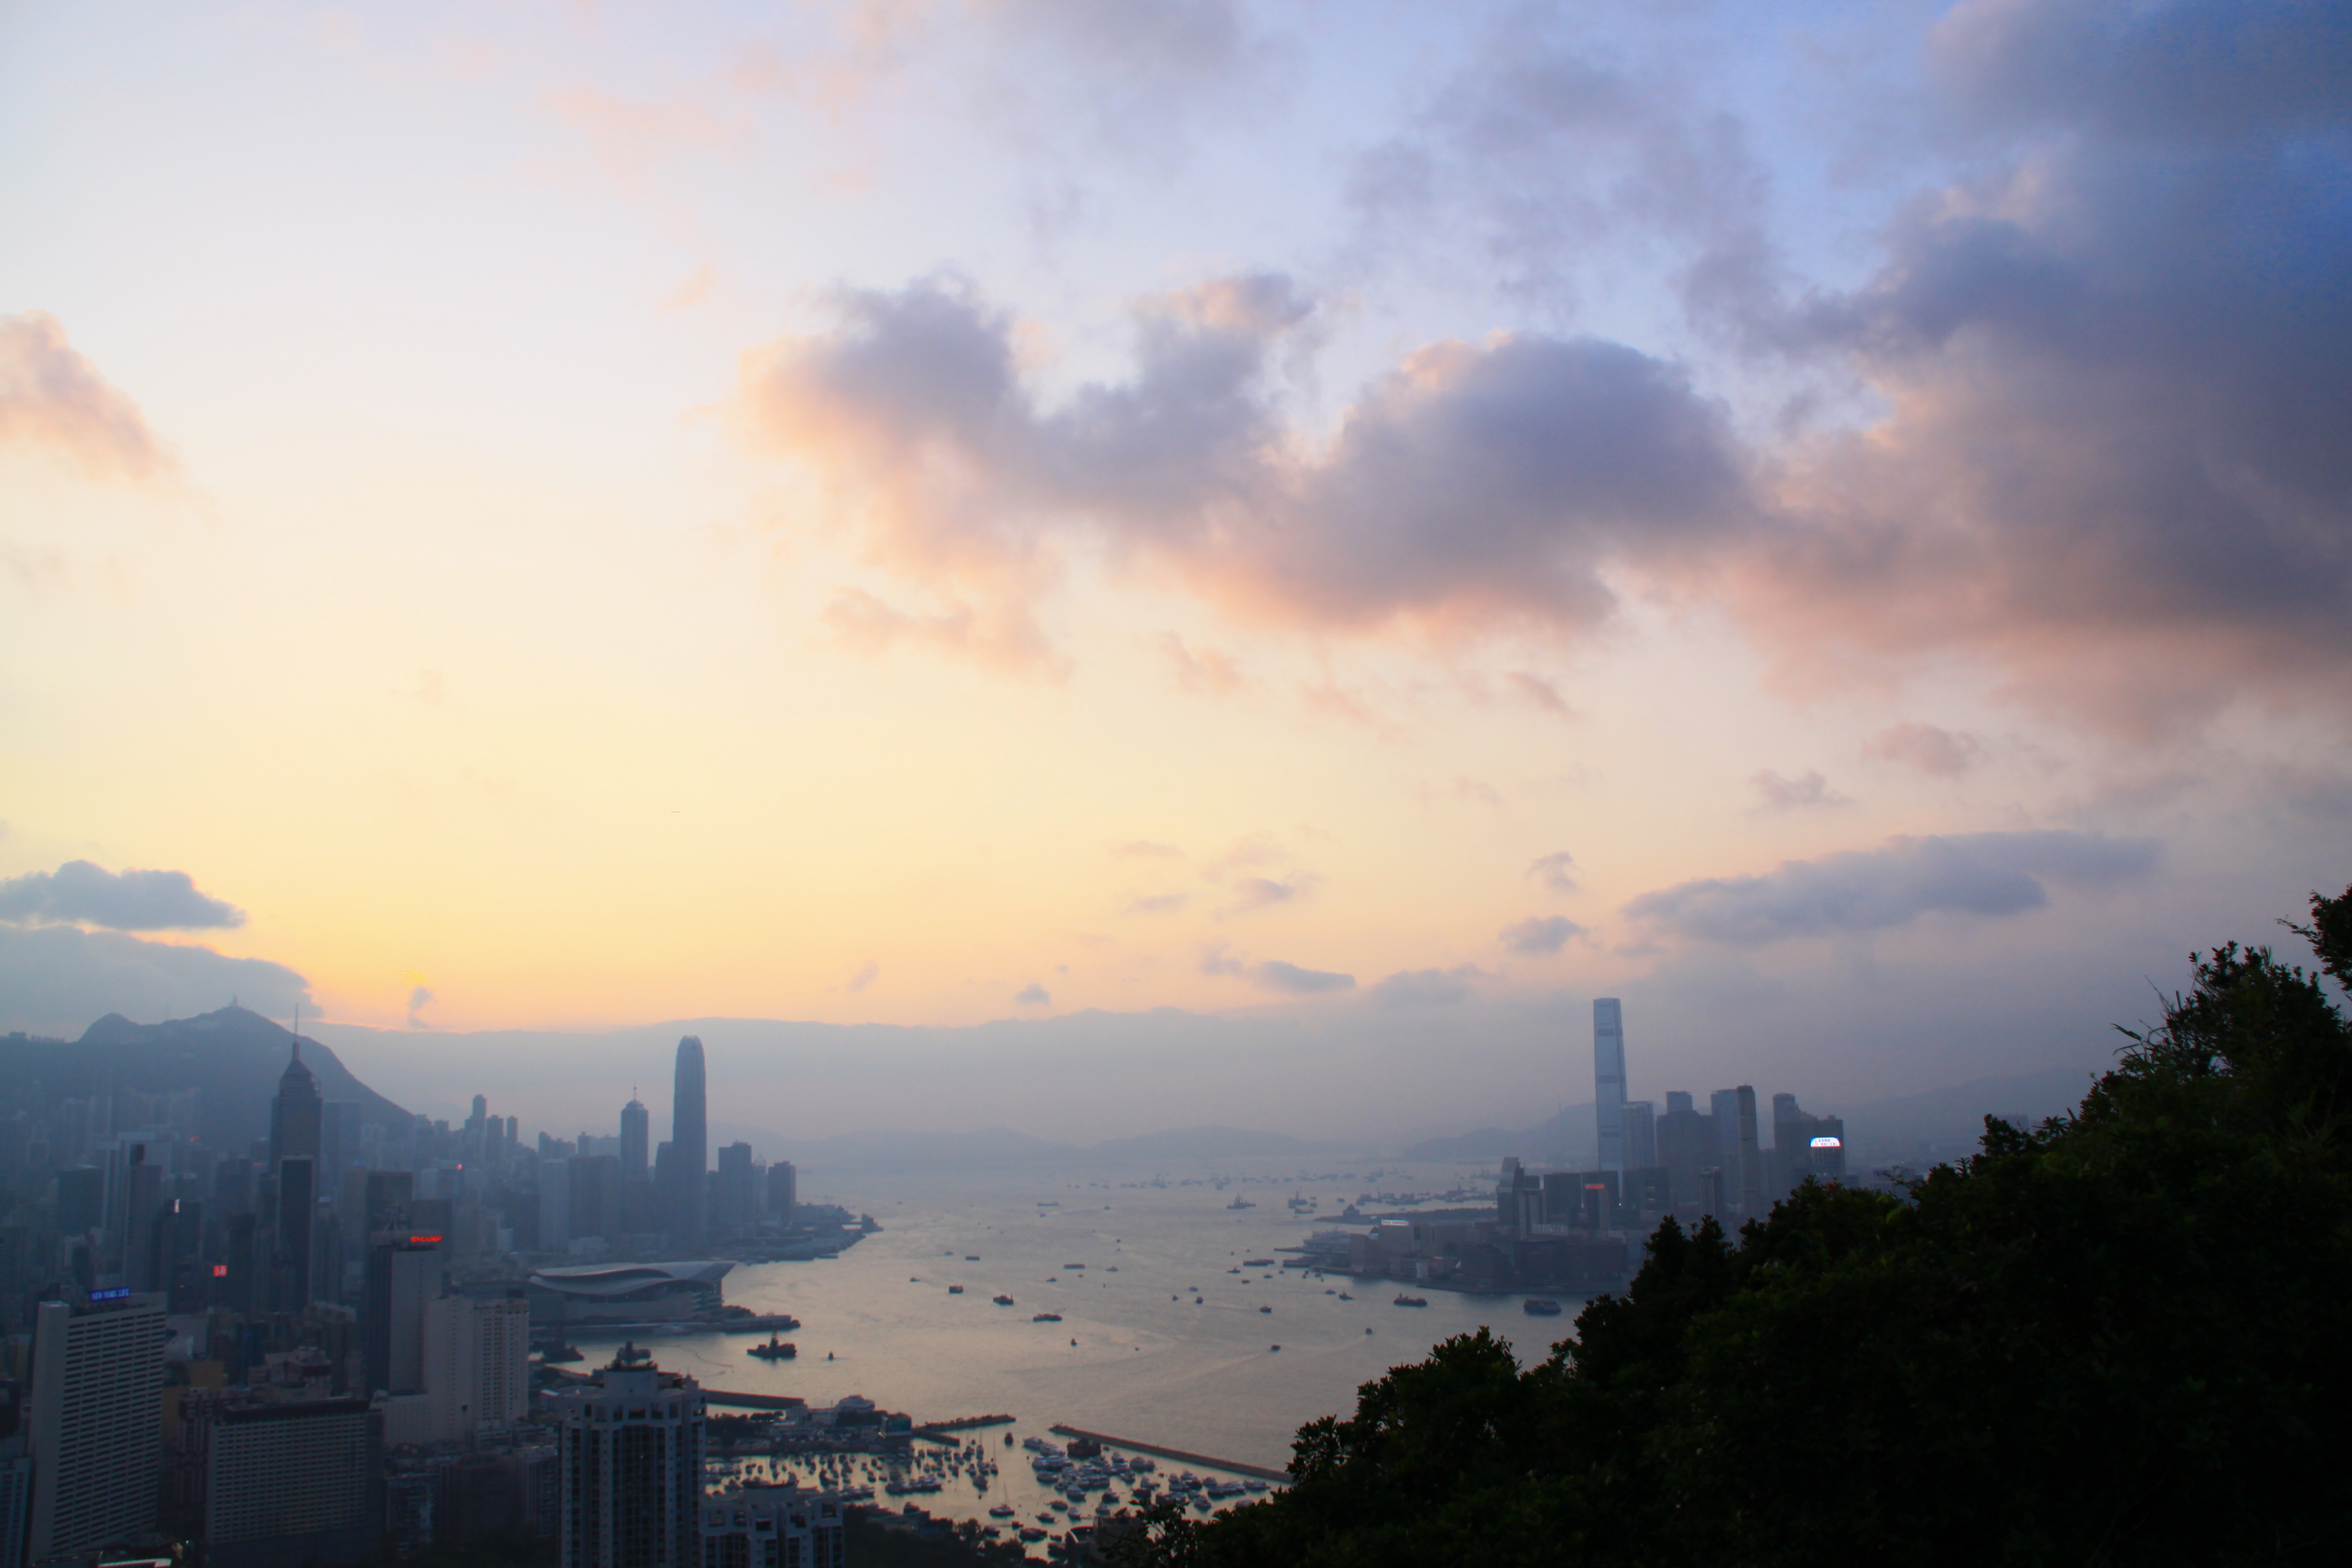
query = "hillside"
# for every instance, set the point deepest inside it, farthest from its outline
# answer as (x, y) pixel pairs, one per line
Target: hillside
(233, 1057)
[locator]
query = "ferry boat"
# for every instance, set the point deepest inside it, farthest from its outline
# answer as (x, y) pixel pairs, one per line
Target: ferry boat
(1403, 1301)
(1004, 1301)
(1047, 1318)
(774, 1350)
(1540, 1307)
(955, 1289)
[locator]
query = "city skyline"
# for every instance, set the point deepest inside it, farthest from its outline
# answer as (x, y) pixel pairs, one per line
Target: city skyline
(1325, 534)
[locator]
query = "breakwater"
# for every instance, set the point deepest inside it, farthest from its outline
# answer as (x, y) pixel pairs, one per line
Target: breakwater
(1179, 1455)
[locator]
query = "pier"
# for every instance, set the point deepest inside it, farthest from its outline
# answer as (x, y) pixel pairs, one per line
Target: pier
(752, 1401)
(1179, 1455)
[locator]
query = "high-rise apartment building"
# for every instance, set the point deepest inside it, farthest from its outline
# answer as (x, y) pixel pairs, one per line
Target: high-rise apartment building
(783, 1191)
(1641, 1124)
(632, 1462)
(286, 1483)
(770, 1526)
(736, 1195)
(689, 1143)
(1609, 1081)
(1686, 1146)
(476, 1364)
(95, 1421)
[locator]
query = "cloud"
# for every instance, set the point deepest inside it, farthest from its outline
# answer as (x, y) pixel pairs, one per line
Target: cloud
(866, 974)
(1217, 958)
(54, 399)
(1250, 894)
(1474, 487)
(2117, 366)
(1538, 692)
(1427, 987)
(1945, 753)
(1032, 995)
(1541, 935)
(58, 980)
(1207, 673)
(1794, 795)
(88, 894)
(418, 999)
(1159, 904)
(1988, 875)
(1290, 978)
(1553, 871)
(1545, 149)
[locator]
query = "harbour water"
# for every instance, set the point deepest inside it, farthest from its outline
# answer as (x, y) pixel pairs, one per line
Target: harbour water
(1161, 1340)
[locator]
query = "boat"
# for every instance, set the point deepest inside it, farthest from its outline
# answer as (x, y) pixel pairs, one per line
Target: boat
(1257, 1262)
(1047, 1318)
(1540, 1307)
(555, 1355)
(1004, 1301)
(972, 1258)
(1266, 1309)
(1274, 1347)
(774, 1350)
(1240, 1202)
(1002, 1510)
(1403, 1301)
(1345, 1297)
(955, 1289)
(1074, 1266)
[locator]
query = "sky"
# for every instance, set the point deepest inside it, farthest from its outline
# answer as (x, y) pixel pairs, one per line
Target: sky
(1830, 522)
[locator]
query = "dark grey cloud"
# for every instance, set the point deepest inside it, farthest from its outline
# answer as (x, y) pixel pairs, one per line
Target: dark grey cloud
(58, 980)
(1427, 987)
(1541, 935)
(1032, 995)
(2120, 362)
(88, 894)
(1987, 875)
(1290, 978)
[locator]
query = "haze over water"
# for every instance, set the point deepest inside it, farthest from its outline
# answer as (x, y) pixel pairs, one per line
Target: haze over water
(1198, 1378)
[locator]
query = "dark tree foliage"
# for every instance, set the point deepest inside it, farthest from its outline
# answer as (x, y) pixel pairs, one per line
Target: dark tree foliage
(2118, 1338)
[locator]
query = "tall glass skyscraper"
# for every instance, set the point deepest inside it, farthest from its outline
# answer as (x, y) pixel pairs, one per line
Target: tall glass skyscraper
(689, 1143)
(1609, 1079)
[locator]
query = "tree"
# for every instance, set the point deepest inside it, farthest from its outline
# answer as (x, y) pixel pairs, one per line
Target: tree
(2118, 1337)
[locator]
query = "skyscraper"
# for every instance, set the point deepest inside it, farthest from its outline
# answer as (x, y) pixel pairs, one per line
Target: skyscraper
(633, 1469)
(296, 1114)
(96, 1421)
(1751, 1158)
(1609, 1081)
(636, 1141)
(689, 1142)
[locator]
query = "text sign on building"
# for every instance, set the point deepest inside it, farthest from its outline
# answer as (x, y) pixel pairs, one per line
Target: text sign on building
(1828, 1144)
(115, 1293)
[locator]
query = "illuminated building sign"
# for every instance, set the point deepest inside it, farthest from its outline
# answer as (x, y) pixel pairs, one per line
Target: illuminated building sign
(423, 1241)
(1828, 1144)
(115, 1294)
(220, 1270)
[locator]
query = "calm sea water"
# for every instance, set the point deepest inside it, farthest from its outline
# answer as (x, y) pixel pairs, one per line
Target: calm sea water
(1136, 1356)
